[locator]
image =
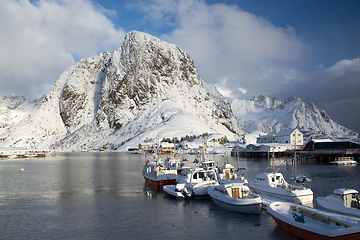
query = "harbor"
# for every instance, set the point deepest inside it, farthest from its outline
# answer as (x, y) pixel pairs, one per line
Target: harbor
(103, 195)
(25, 153)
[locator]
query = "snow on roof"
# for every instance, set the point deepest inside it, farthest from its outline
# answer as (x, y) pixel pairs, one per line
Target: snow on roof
(285, 132)
(265, 136)
(166, 144)
(321, 140)
(277, 144)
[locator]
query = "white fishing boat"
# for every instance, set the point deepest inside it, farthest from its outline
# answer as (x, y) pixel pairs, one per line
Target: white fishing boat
(274, 185)
(235, 197)
(343, 201)
(192, 183)
(310, 223)
(156, 174)
(344, 161)
(177, 163)
(228, 174)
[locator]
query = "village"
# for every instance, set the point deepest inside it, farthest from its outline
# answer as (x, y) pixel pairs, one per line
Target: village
(284, 143)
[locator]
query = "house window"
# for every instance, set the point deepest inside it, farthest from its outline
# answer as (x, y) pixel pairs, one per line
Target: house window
(287, 141)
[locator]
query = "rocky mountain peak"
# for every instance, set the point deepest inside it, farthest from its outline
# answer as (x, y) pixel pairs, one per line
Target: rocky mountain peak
(145, 83)
(142, 70)
(275, 115)
(11, 101)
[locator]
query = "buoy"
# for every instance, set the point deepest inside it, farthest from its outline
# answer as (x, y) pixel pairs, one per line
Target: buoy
(21, 169)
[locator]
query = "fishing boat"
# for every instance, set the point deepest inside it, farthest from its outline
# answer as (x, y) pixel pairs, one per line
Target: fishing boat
(275, 186)
(177, 163)
(228, 174)
(192, 183)
(344, 161)
(235, 197)
(343, 201)
(310, 223)
(156, 174)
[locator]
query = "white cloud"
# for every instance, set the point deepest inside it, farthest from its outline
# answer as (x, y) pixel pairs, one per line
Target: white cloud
(344, 66)
(225, 40)
(242, 90)
(158, 12)
(39, 41)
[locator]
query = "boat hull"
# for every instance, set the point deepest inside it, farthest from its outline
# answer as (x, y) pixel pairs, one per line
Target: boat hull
(253, 208)
(344, 162)
(170, 189)
(283, 194)
(303, 234)
(159, 182)
(310, 223)
(201, 189)
(250, 204)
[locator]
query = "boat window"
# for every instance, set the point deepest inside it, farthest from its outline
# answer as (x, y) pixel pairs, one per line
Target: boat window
(273, 179)
(195, 176)
(277, 177)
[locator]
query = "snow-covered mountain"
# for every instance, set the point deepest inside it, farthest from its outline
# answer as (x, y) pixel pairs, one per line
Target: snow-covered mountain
(262, 114)
(146, 89)
(13, 109)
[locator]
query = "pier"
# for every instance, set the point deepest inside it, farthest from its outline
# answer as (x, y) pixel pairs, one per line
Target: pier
(24, 153)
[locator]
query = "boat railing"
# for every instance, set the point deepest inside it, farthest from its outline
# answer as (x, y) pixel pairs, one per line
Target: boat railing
(318, 217)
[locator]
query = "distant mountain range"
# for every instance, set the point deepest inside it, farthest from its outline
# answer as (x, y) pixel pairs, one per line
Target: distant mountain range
(272, 115)
(145, 90)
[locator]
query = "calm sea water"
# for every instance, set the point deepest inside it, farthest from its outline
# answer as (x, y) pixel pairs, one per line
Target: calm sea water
(103, 196)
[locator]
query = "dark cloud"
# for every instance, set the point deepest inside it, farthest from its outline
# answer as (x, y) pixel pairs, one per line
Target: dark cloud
(335, 90)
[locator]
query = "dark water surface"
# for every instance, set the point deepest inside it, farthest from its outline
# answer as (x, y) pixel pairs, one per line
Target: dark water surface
(103, 196)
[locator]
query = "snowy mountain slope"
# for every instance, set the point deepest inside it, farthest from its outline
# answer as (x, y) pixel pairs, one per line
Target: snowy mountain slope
(272, 115)
(13, 109)
(146, 88)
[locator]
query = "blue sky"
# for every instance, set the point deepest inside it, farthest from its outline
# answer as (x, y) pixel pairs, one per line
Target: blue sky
(280, 48)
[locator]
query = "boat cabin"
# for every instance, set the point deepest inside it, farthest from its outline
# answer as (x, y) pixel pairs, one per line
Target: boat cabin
(207, 164)
(237, 191)
(227, 171)
(155, 170)
(197, 175)
(271, 179)
(349, 196)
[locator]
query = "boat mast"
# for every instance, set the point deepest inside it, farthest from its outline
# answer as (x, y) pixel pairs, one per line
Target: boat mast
(237, 153)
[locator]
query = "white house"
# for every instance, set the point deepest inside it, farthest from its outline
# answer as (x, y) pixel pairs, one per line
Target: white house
(292, 136)
(287, 136)
(265, 138)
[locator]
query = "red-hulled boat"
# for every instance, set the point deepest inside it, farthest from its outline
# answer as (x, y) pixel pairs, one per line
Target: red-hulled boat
(156, 174)
(310, 223)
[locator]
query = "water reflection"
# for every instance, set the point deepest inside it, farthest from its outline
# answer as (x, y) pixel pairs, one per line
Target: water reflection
(103, 195)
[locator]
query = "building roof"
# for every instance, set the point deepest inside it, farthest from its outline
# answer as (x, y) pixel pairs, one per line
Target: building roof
(285, 132)
(322, 140)
(265, 136)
